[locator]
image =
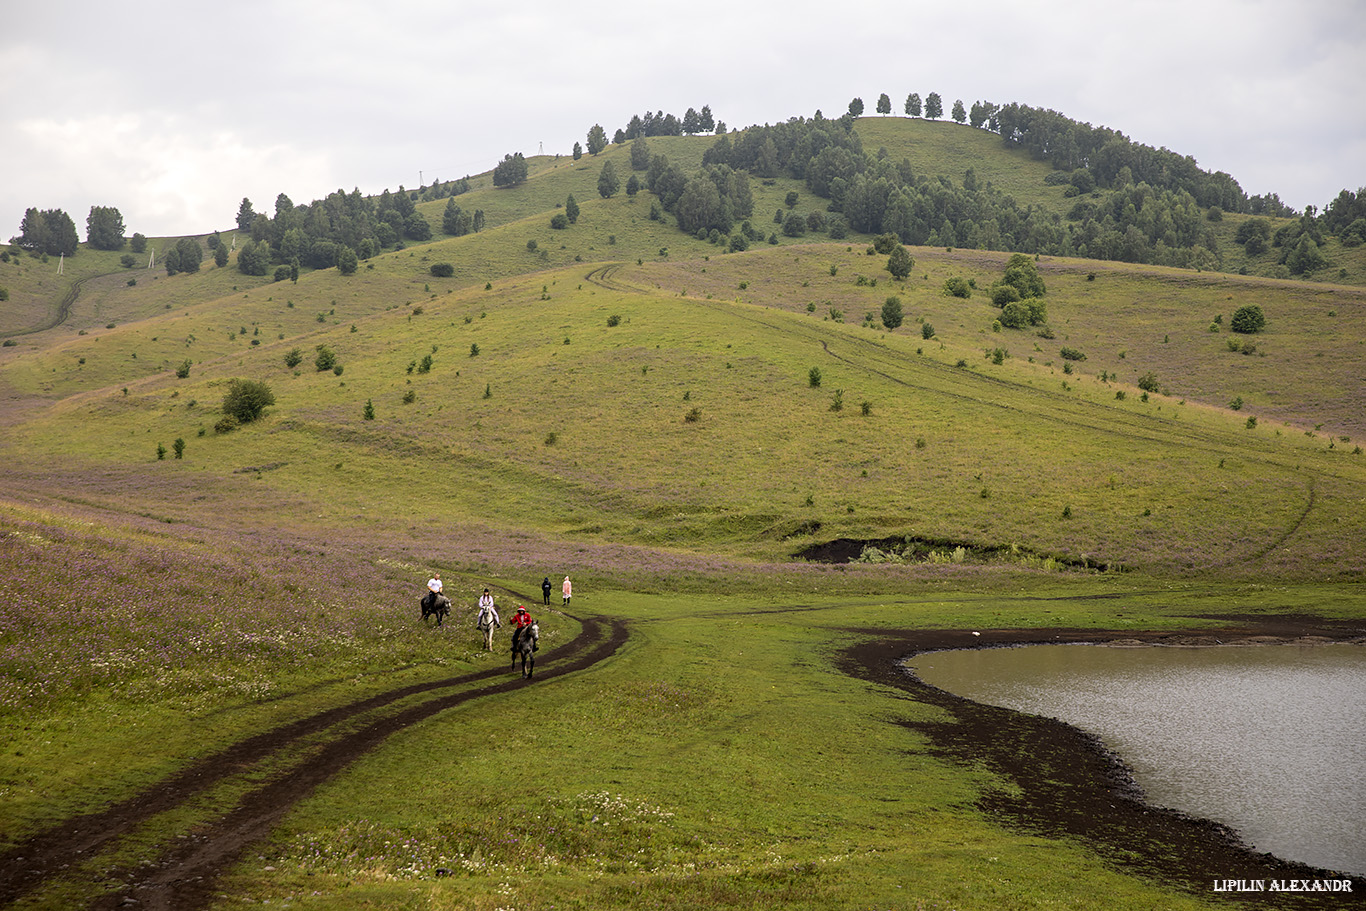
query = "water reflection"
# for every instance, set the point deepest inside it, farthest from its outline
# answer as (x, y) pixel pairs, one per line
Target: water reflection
(1269, 740)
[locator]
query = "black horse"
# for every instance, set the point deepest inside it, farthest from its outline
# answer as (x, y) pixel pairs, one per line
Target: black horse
(435, 605)
(524, 643)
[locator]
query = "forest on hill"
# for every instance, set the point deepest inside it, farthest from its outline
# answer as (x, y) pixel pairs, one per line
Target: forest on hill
(1130, 202)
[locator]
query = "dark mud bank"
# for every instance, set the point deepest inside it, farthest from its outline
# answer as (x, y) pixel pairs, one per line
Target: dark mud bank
(1070, 785)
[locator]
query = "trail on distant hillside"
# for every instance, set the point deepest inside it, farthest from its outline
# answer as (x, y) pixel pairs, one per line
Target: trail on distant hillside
(63, 309)
(185, 874)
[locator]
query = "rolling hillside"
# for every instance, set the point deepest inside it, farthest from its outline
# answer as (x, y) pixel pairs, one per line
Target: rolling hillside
(215, 689)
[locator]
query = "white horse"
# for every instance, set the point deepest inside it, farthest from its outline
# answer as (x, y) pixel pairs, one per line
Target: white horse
(488, 621)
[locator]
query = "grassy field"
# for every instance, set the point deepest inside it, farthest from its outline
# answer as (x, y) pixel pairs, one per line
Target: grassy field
(636, 409)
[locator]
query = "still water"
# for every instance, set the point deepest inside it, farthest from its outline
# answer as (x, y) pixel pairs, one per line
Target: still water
(1268, 740)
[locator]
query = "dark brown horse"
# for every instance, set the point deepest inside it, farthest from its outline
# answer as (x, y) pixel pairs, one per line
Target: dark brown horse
(435, 605)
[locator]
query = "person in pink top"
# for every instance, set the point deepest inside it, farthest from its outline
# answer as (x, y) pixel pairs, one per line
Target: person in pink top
(566, 590)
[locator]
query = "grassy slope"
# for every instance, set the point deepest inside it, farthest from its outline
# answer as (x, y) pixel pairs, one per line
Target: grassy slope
(632, 499)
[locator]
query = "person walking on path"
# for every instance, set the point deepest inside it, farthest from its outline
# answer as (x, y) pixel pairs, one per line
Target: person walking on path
(545, 590)
(487, 620)
(566, 590)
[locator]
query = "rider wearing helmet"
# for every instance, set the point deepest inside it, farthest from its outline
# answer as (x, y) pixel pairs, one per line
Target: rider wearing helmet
(520, 621)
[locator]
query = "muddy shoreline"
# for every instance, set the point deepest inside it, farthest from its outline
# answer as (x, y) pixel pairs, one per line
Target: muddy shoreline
(1071, 786)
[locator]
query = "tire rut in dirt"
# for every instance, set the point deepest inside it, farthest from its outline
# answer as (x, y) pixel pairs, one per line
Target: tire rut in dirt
(44, 856)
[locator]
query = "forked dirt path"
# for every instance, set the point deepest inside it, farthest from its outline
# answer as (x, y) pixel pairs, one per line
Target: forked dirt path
(185, 875)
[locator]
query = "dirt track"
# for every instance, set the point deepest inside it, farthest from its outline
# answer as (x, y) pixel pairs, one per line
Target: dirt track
(185, 874)
(1070, 785)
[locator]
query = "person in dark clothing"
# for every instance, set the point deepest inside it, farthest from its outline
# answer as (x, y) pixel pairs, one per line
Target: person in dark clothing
(545, 589)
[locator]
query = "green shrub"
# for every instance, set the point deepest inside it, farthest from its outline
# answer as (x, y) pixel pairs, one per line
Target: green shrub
(693, 416)
(957, 287)
(926, 331)
(891, 312)
(559, 221)
(184, 369)
(293, 357)
(326, 359)
(246, 400)
(368, 412)
(442, 270)
(409, 397)
(1148, 382)
(179, 447)
(1072, 354)
(1248, 319)
(614, 320)
(813, 377)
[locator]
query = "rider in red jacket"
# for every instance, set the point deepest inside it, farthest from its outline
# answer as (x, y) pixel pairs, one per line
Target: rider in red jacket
(520, 621)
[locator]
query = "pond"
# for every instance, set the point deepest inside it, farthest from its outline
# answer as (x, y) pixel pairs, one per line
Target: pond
(1269, 740)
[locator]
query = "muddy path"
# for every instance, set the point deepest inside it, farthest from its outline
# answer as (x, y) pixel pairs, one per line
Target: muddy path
(186, 872)
(1071, 786)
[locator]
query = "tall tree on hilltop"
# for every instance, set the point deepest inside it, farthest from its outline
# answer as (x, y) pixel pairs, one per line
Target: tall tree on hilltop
(511, 171)
(692, 122)
(959, 113)
(104, 228)
(856, 107)
(245, 215)
(913, 107)
(578, 151)
(706, 122)
(597, 139)
(934, 106)
(884, 104)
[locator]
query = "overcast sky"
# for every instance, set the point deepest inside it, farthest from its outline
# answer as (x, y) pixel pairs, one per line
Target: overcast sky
(172, 112)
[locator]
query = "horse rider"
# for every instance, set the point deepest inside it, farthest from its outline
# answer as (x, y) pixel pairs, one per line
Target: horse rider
(545, 590)
(433, 590)
(487, 619)
(520, 621)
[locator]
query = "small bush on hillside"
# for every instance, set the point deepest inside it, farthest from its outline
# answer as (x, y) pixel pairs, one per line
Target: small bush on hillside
(184, 369)
(326, 359)
(813, 377)
(246, 400)
(926, 331)
(443, 270)
(1248, 319)
(614, 320)
(693, 416)
(891, 312)
(957, 287)
(293, 357)
(1072, 354)
(559, 221)
(1148, 382)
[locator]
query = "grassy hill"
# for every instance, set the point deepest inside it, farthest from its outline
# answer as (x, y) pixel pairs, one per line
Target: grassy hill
(633, 407)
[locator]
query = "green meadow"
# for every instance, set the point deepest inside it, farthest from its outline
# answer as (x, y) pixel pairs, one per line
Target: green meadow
(679, 430)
